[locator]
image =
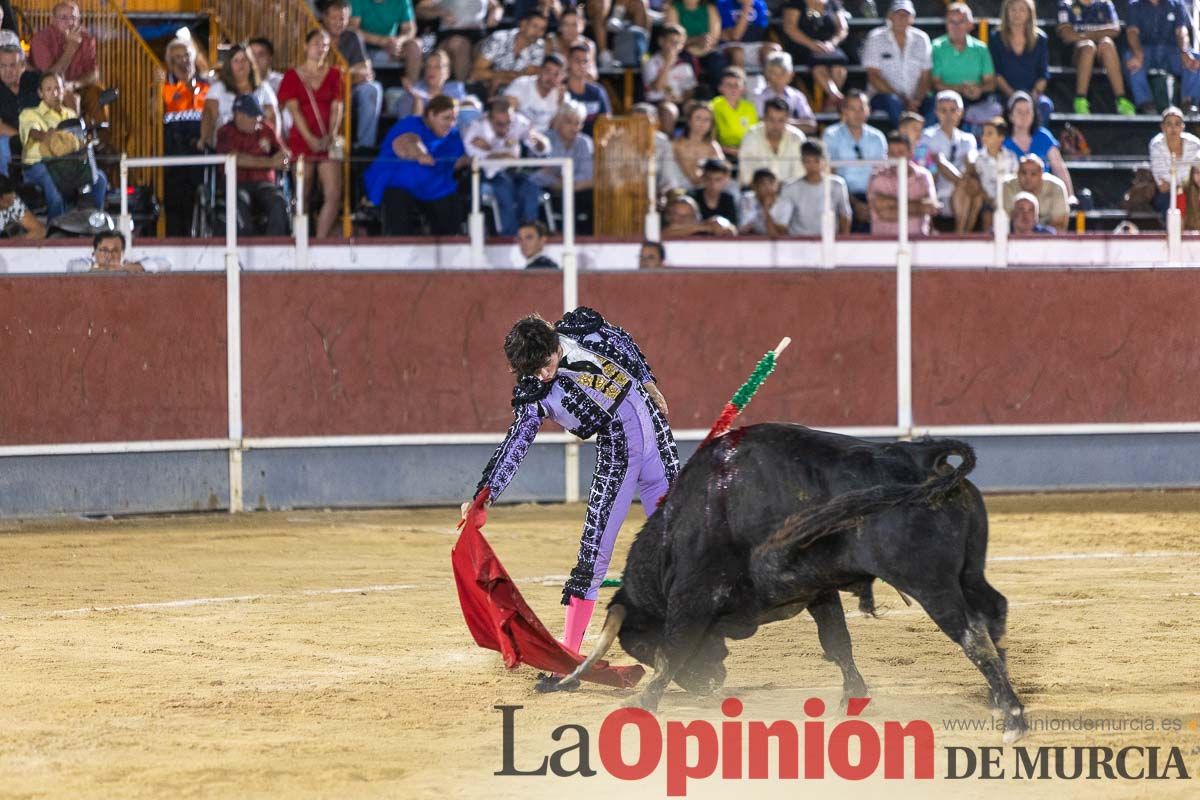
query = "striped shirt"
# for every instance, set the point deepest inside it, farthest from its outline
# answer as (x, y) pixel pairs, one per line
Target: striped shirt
(1160, 158)
(900, 68)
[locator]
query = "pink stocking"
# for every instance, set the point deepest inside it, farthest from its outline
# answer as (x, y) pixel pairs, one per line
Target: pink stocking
(578, 614)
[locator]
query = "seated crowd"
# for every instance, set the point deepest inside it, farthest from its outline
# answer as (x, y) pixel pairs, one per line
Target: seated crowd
(737, 145)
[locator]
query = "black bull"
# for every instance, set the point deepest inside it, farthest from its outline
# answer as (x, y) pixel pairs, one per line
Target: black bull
(773, 519)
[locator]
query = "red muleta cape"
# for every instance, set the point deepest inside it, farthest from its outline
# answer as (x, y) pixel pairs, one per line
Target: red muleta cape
(499, 618)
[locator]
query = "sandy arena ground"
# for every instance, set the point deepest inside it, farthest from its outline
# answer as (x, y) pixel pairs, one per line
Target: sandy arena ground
(310, 654)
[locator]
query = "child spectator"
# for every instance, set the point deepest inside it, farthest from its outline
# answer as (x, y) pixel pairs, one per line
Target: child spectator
(1090, 28)
(734, 115)
(779, 76)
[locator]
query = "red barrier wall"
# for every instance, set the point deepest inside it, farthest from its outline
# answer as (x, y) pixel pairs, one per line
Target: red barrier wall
(1040, 346)
(95, 358)
(98, 358)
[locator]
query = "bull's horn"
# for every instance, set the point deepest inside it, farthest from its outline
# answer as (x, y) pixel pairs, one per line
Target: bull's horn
(608, 635)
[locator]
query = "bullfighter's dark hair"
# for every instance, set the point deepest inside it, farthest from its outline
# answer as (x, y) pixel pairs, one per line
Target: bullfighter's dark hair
(529, 345)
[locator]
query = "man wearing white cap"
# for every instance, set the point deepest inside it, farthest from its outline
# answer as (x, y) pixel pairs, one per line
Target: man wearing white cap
(898, 58)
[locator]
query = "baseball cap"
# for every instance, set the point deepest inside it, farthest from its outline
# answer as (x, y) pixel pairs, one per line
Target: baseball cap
(902, 5)
(247, 104)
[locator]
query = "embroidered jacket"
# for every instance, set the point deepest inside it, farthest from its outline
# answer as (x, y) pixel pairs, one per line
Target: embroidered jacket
(600, 368)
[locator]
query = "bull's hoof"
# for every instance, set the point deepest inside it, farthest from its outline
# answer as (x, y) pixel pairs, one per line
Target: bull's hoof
(1016, 728)
(844, 703)
(554, 683)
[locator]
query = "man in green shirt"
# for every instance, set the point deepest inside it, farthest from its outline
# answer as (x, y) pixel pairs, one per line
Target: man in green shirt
(389, 29)
(963, 63)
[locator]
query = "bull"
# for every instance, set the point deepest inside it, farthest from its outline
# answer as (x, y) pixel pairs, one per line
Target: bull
(774, 519)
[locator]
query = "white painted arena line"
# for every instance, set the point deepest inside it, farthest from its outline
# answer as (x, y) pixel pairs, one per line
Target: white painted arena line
(1087, 556)
(546, 580)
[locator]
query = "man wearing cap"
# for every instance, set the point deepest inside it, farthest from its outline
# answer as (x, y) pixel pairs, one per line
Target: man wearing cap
(898, 58)
(1025, 215)
(259, 154)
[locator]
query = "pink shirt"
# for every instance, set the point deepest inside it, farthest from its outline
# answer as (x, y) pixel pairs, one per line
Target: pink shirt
(48, 44)
(920, 186)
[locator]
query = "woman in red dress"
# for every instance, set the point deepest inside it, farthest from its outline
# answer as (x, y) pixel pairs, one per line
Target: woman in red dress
(312, 92)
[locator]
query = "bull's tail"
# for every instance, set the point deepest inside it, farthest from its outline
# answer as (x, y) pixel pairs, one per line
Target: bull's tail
(846, 511)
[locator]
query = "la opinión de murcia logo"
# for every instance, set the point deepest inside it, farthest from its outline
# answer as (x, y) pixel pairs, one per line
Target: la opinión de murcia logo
(737, 749)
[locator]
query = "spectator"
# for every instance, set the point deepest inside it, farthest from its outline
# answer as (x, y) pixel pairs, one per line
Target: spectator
(462, 24)
(509, 54)
(312, 93)
(412, 178)
(1025, 216)
(15, 217)
(652, 255)
(963, 64)
(259, 155)
(539, 96)
(1021, 54)
(68, 50)
(744, 32)
(976, 195)
(945, 150)
(238, 75)
(898, 58)
(16, 83)
(853, 139)
(263, 53)
(570, 33)
(500, 134)
(37, 127)
(1049, 191)
(691, 150)
(566, 140)
(734, 115)
(1157, 34)
(884, 192)
(670, 74)
(779, 75)
(531, 240)
(683, 220)
(598, 13)
(1173, 149)
(389, 31)
(108, 254)
(662, 145)
(366, 93)
(592, 96)
(184, 95)
(702, 23)
(773, 145)
(434, 81)
(716, 197)
(911, 127)
(764, 212)
(1090, 28)
(1025, 136)
(813, 32)
(806, 195)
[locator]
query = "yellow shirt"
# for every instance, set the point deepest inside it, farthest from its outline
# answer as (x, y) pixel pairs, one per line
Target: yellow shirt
(40, 118)
(733, 123)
